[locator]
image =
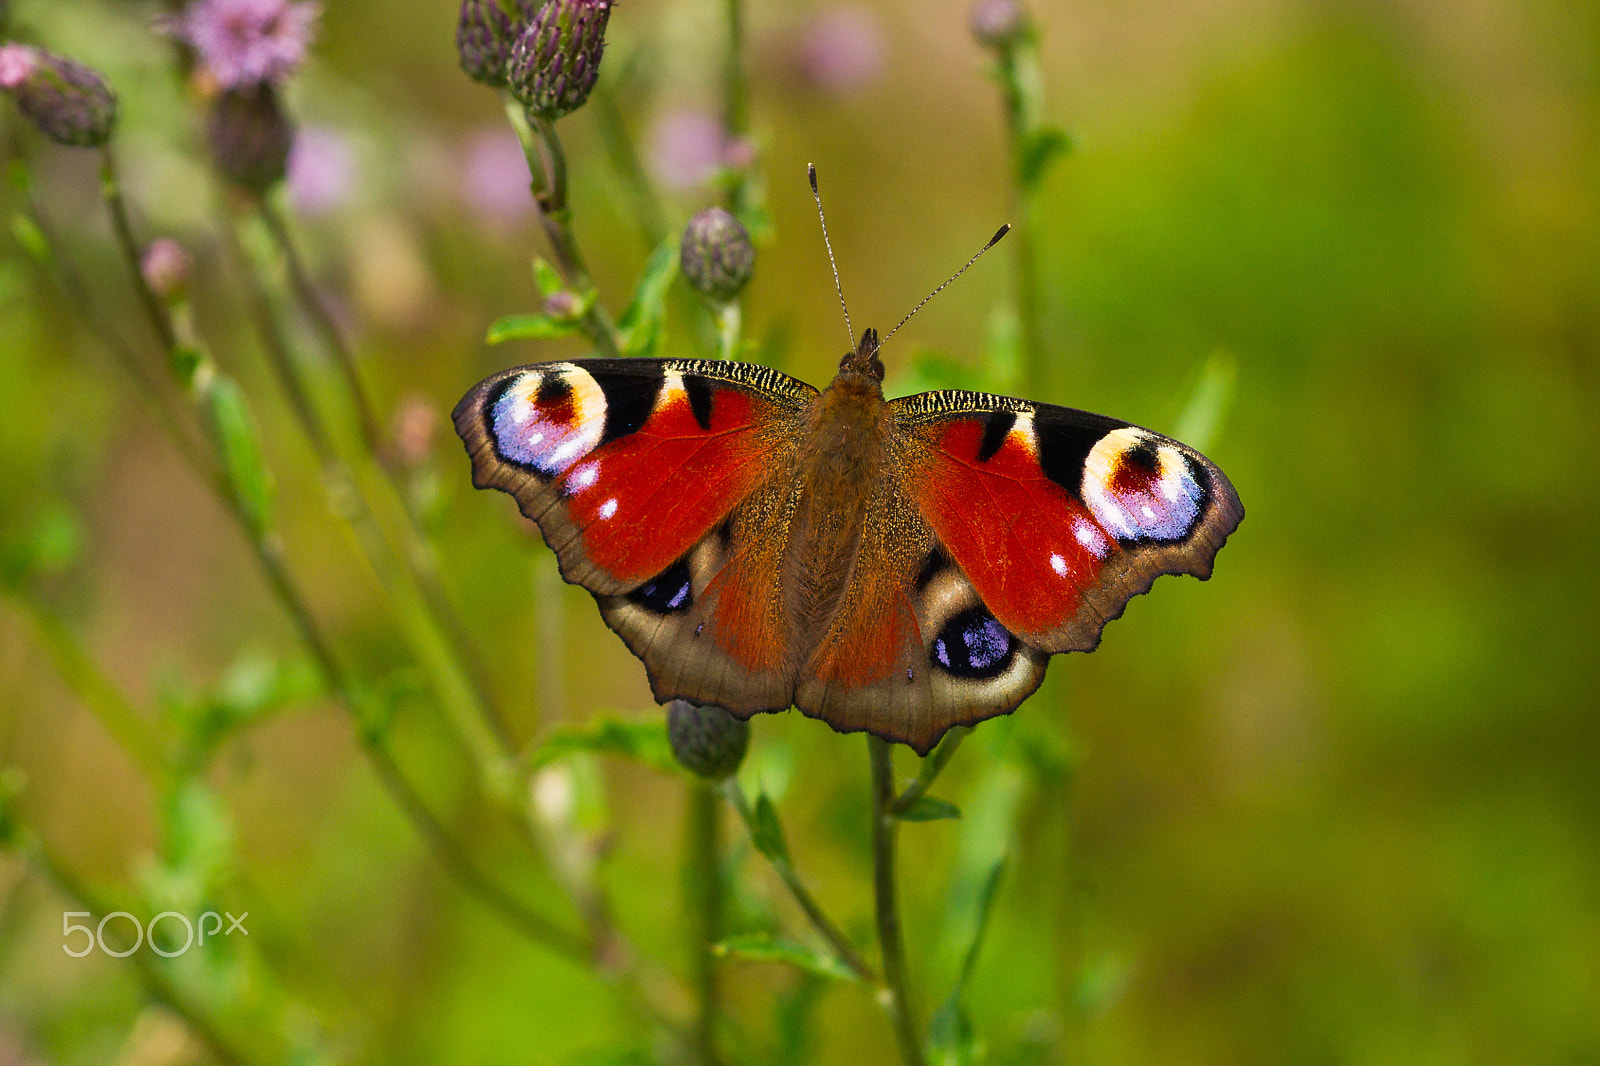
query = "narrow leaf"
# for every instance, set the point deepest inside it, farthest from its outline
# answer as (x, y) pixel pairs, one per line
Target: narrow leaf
(523, 327)
(928, 809)
(762, 947)
(643, 740)
(546, 278)
(1037, 150)
(1209, 405)
(766, 832)
(640, 325)
(240, 449)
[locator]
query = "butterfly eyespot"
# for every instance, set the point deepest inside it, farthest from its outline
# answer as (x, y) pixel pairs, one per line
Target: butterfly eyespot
(670, 593)
(1139, 489)
(973, 645)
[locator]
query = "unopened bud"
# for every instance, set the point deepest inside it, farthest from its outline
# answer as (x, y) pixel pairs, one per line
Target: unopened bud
(556, 60)
(166, 268)
(485, 33)
(706, 740)
(70, 103)
(999, 23)
(716, 256)
(562, 304)
(250, 137)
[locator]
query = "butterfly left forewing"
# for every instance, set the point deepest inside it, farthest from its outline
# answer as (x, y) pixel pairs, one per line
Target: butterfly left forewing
(626, 464)
(1058, 517)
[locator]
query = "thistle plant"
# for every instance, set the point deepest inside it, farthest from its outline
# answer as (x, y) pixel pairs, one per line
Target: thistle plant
(532, 787)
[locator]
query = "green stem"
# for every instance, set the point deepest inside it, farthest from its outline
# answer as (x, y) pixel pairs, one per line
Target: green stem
(704, 877)
(268, 552)
(1022, 96)
(884, 826)
(111, 190)
(472, 720)
(728, 318)
(547, 169)
(418, 556)
(115, 711)
(624, 158)
(158, 983)
(735, 92)
(841, 945)
(931, 768)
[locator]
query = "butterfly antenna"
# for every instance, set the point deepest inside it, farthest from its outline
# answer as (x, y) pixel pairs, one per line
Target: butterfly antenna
(811, 172)
(1001, 232)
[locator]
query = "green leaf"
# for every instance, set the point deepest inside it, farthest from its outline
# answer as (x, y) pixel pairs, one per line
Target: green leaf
(546, 278)
(639, 328)
(927, 808)
(240, 449)
(1207, 408)
(1037, 150)
(31, 237)
(525, 327)
(950, 1033)
(643, 740)
(766, 832)
(763, 947)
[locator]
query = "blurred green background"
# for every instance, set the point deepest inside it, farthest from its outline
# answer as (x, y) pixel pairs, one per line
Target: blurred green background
(1340, 804)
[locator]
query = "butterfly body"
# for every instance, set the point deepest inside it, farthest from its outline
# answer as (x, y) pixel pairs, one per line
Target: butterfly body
(898, 566)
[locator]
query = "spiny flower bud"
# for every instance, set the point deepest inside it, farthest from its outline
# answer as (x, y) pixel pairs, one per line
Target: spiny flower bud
(166, 268)
(556, 61)
(999, 23)
(485, 33)
(250, 137)
(67, 101)
(716, 256)
(706, 740)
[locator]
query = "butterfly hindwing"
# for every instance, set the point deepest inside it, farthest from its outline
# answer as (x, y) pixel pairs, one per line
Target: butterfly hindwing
(1058, 517)
(910, 649)
(625, 465)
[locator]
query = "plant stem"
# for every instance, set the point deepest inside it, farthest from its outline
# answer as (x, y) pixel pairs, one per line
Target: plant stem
(547, 168)
(841, 945)
(158, 983)
(624, 157)
(931, 767)
(704, 878)
(884, 826)
(267, 549)
(99, 693)
(1021, 90)
(415, 553)
(735, 92)
(479, 728)
(327, 329)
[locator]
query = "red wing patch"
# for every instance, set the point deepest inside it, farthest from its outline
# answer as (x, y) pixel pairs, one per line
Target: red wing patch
(1029, 548)
(626, 464)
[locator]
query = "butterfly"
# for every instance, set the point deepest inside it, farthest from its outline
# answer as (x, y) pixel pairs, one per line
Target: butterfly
(896, 566)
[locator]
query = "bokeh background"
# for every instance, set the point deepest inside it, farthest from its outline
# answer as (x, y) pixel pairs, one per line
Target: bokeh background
(1340, 804)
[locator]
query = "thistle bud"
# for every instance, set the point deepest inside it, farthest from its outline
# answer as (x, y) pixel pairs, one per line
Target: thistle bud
(250, 137)
(485, 33)
(999, 23)
(166, 268)
(706, 740)
(67, 101)
(716, 256)
(556, 60)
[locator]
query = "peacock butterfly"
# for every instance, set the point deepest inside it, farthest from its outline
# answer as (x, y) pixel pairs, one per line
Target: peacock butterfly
(896, 566)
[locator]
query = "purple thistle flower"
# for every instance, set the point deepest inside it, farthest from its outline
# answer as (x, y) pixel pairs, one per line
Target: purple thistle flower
(247, 42)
